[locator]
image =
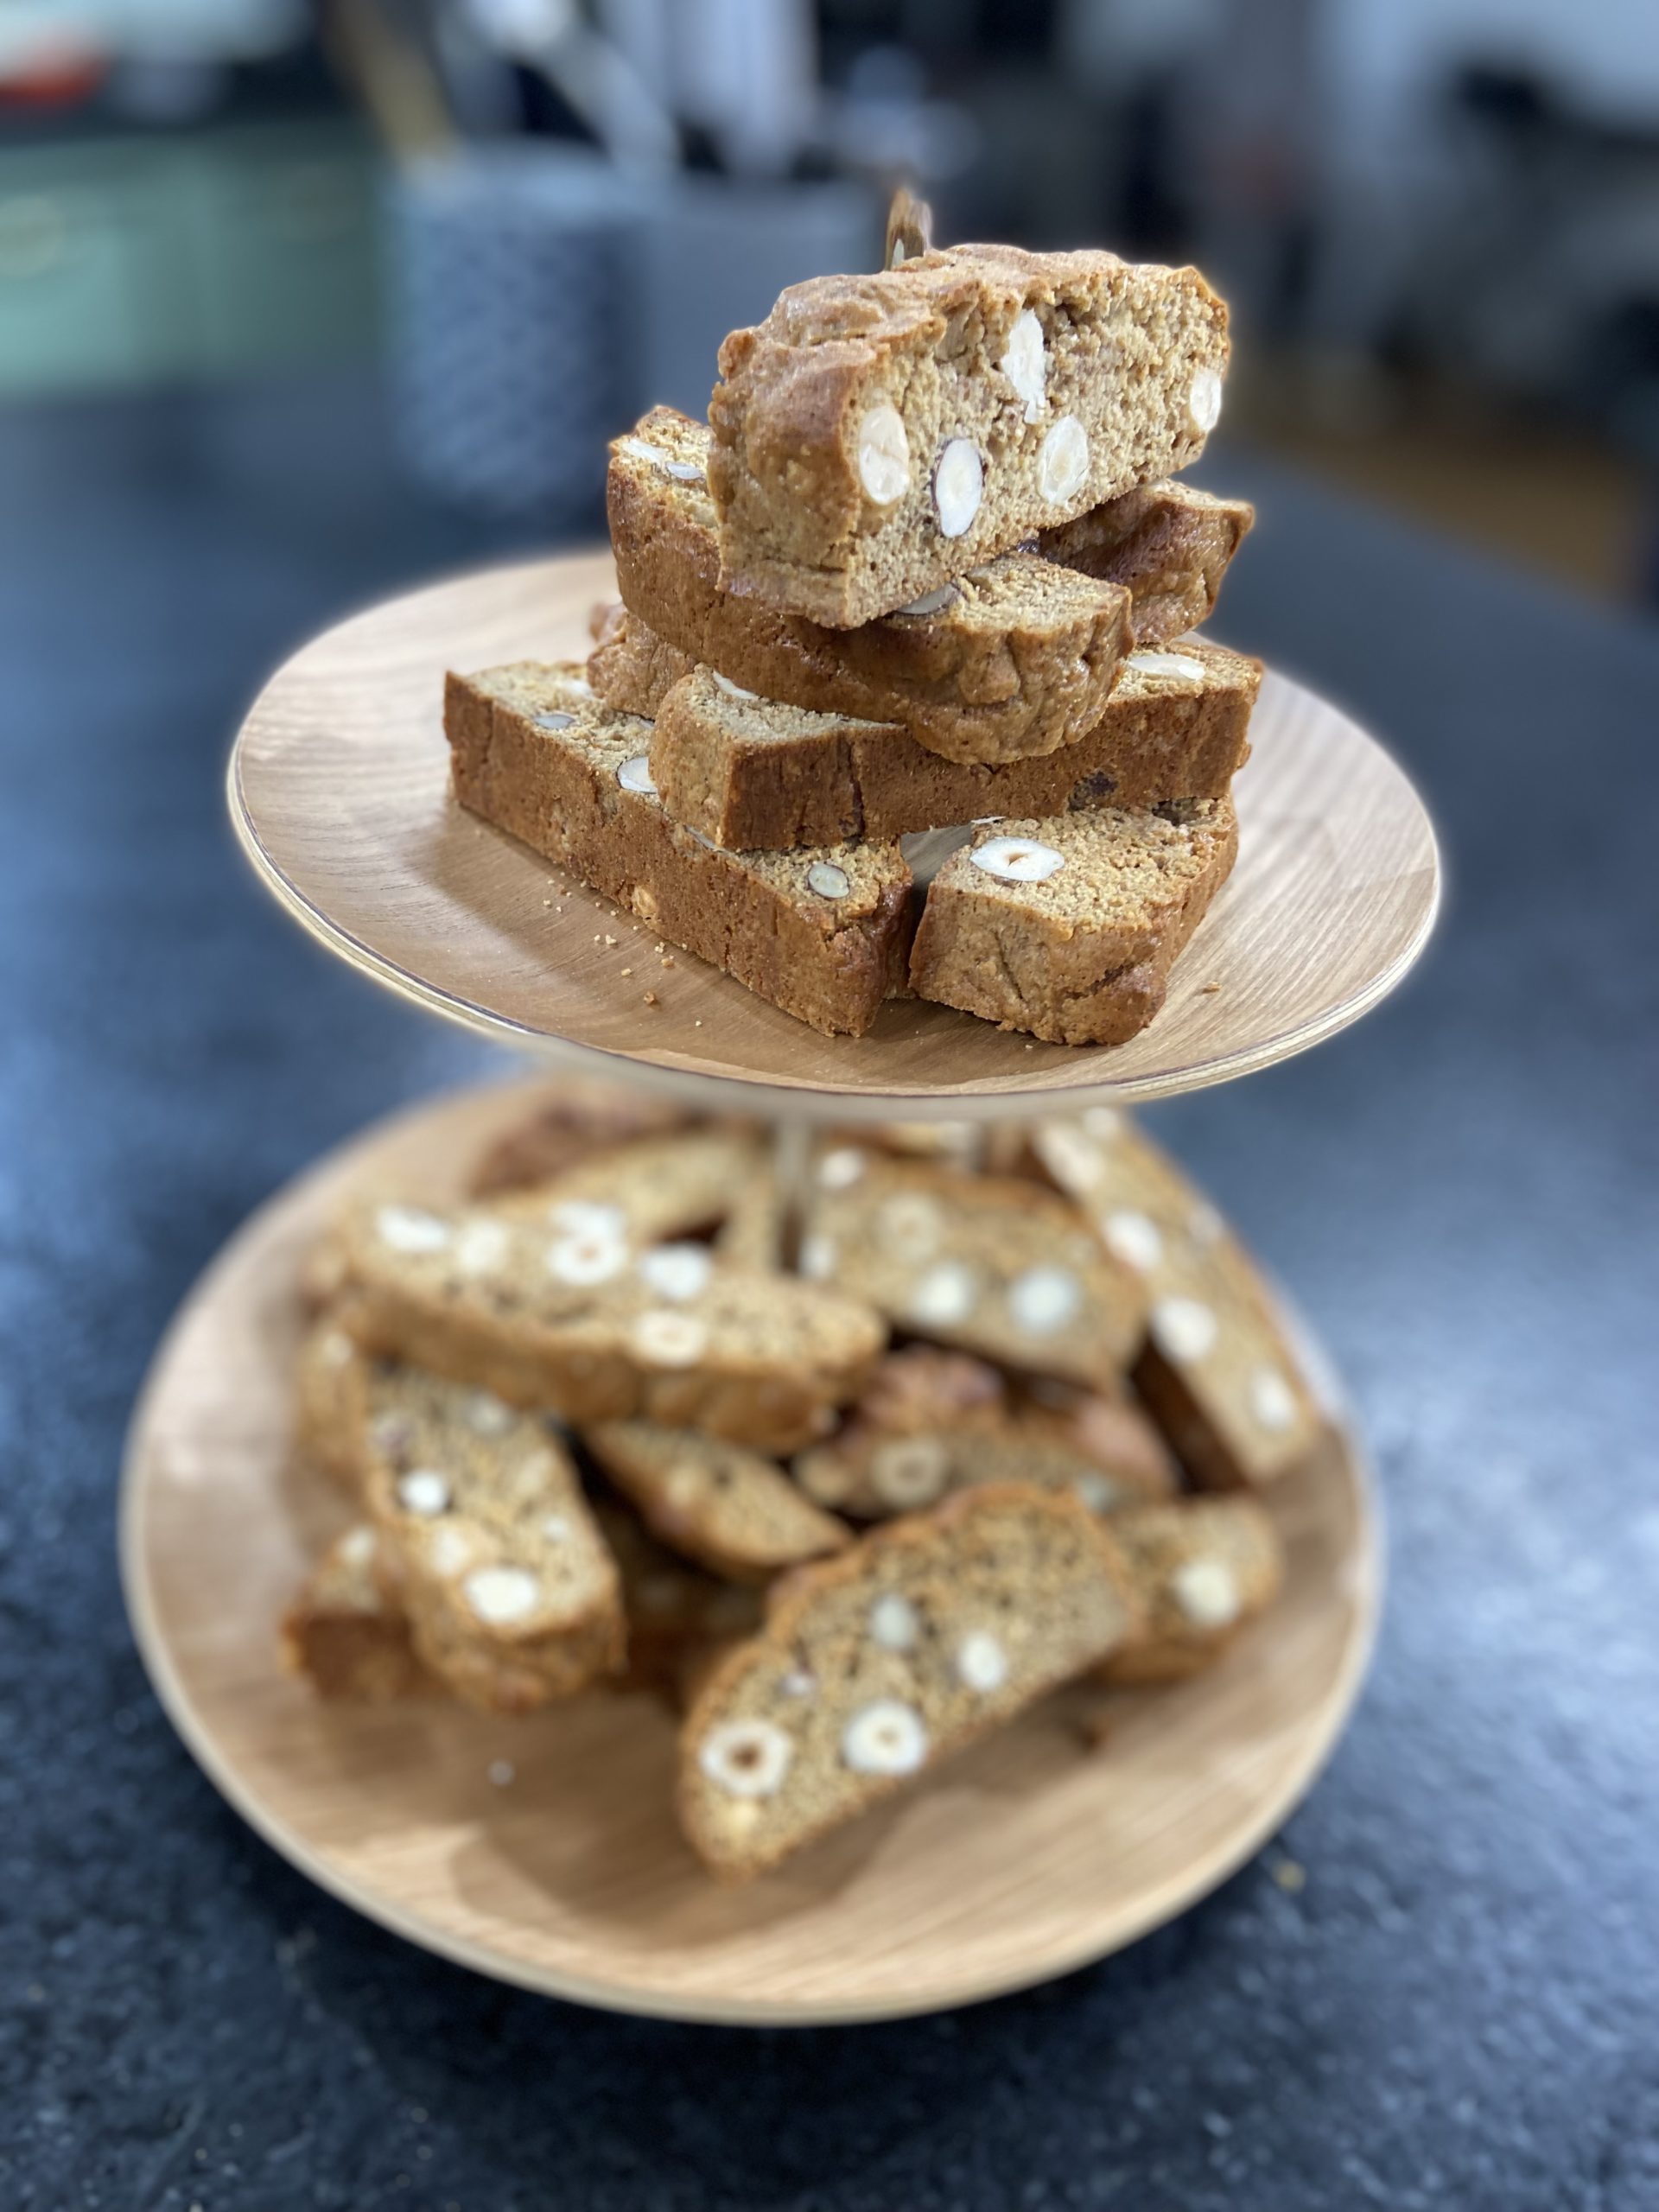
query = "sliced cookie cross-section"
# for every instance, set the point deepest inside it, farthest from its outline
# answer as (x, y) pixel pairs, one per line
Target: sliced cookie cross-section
(1068, 929)
(877, 436)
(985, 1264)
(874, 1665)
(565, 1318)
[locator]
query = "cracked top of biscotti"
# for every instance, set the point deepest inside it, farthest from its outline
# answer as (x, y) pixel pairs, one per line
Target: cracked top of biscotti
(836, 884)
(874, 1665)
(1014, 657)
(878, 435)
(1116, 868)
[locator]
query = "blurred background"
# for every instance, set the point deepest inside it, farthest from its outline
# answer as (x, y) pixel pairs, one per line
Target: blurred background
(477, 236)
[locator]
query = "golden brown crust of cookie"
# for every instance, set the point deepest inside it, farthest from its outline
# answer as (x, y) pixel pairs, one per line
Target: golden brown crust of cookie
(731, 1509)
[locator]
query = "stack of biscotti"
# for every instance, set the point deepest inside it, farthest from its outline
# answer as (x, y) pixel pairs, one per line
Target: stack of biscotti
(845, 1510)
(926, 567)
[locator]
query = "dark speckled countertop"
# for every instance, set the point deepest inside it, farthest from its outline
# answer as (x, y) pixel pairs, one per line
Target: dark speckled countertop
(1457, 2006)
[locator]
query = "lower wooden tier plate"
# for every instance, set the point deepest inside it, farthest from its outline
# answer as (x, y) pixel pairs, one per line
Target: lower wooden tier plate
(339, 790)
(1029, 1855)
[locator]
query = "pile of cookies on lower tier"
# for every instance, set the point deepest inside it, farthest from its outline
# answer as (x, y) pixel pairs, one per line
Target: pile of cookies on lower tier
(851, 1459)
(925, 568)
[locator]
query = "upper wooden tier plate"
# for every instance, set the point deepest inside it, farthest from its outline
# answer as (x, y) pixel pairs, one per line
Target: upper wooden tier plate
(338, 789)
(564, 1871)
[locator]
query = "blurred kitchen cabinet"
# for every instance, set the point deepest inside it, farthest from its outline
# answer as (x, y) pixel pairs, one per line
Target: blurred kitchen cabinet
(141, 261)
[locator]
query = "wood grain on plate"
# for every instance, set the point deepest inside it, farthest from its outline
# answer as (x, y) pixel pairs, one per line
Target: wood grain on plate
(1029, 1856)
(339, 790)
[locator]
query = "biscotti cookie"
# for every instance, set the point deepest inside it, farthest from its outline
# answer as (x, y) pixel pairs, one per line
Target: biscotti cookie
(1111, 1431)
(1170, 544)
(511, 1598)
(929, 1422)
(875, 1666)
(1199, 1568)
(630, 668)
(346, 1635)
(564, 1318)
(763, 1228)
(823, 934)
(329, 1389)
(1217, 1368)
(981, 1263)
(1068, 928)
(1014, 657)
(876, 437)
(581, 1121)
(755, 1232)
(679, 1616)
(746, 770)
(724, 1506)
(644, 1193)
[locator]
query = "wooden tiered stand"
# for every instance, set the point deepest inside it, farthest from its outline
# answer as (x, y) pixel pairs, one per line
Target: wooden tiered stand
(545, 1850)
